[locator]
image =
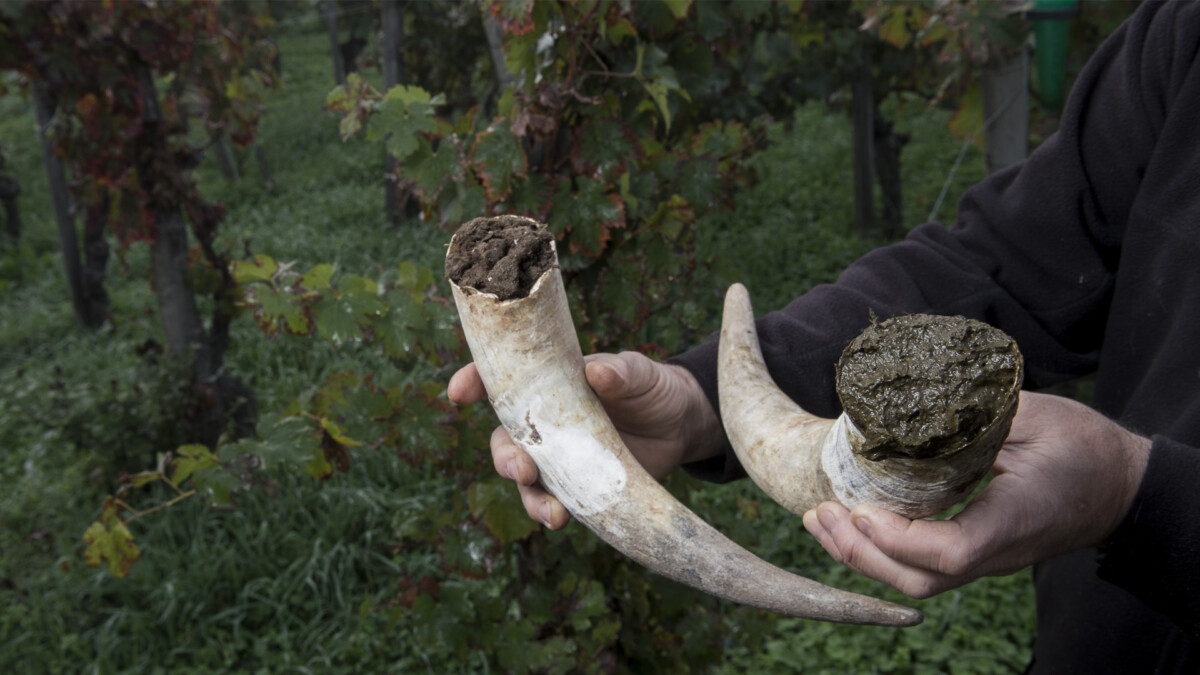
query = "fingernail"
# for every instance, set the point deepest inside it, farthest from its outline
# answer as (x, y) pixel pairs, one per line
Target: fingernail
(863, 525)
(544, 514)
(813, 523)
(826, 519)
(510, 470)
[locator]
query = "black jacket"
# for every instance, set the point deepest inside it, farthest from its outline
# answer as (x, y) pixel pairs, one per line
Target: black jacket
(1088, 254)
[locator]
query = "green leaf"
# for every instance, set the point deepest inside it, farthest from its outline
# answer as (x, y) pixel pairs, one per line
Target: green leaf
(678, 7)
(337, 433)
(349, 125)
(499, 503)
(216, 485)
(429, 170)
(498, 159)
(317, 278)
(602, 144)
(967, 120)
(283, 441)
(190, 458)
(261, 268)
(275, 306)
(109, 539)
(588, 213)
(407, 95)
(140, 479)
(399, 330)
(700, 181)
(412, 277)
(340, 316)
(658, 91)
(456, 207)
(318, 467)
(338, 99)
(400, 119)
(532, 196)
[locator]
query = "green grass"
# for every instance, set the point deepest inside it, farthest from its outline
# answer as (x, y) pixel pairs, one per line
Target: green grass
(296, 578)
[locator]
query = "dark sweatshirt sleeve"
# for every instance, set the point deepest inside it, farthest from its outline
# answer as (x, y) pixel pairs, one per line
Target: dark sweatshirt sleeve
(1034, 250)
(1155, 553)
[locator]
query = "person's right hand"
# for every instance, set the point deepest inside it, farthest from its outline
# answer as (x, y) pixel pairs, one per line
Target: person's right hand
(659, 410)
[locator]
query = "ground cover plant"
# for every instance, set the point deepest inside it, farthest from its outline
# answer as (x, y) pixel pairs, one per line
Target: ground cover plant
(412, 556)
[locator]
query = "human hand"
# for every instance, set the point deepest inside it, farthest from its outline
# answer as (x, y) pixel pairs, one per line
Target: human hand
(659, 410)
(1064, 480)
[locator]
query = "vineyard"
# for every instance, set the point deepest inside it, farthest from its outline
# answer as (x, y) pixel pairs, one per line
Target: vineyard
(229, 444)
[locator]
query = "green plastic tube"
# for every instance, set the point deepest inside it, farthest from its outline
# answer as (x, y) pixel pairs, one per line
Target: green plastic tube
(1051, 26)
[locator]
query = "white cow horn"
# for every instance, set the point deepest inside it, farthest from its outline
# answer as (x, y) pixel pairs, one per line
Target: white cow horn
(530, 361)
(801, 460)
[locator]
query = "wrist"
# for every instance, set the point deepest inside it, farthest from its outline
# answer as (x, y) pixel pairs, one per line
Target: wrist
(1135, 451)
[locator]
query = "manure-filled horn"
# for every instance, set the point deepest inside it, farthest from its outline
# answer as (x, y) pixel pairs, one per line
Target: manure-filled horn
(531, 364)
(801, 460)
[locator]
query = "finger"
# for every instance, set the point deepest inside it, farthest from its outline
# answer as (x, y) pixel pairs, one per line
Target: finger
(466, 386)
(510, 460)
(850, 546)
(612, 375)
(965, 545)
(543, 507)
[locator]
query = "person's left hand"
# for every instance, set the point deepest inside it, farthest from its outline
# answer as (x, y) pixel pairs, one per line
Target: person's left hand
(1064, 480)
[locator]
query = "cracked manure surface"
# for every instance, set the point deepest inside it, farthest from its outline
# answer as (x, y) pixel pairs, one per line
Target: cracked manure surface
(926, 386)
(504, 256)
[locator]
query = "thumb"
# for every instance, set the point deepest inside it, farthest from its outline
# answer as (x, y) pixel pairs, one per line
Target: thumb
(624, 375)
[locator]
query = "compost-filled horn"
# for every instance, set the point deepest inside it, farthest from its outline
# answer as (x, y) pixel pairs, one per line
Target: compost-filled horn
(528, 356)
(801, 460)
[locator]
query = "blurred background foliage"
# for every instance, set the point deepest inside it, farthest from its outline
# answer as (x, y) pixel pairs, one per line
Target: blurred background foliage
(675, 147)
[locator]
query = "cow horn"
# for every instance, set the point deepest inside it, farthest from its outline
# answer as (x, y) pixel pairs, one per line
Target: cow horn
(529, 358)
(801, 460)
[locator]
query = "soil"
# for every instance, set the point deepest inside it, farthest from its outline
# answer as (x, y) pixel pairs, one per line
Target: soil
(504, 256)
(926, 386)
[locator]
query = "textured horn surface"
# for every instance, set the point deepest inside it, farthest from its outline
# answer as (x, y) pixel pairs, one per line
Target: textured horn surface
(800, 459)
(530, 361)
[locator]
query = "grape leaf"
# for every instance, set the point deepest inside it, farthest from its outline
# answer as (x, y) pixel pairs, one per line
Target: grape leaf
(498, 158)
(278, 309)
(428, 169)
(284, 441)
(341, 315)
(261, 268)
(400, 329)
(109, 539)
(532, 197)
(216, 484)
(189, 458)
(338, 434)
(678, 7)
(400, 118)
(602, 145)
(318, 277)
(319, 467)
(588, 213)
(456, 207)
(499, 504)
(413, 277)
(699, 181)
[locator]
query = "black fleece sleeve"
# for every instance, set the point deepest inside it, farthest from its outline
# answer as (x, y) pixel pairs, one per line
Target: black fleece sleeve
(1034, 250)
(1155, 553)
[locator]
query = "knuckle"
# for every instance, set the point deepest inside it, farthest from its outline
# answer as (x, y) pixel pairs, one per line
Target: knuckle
(921, 589)
(956, 562)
